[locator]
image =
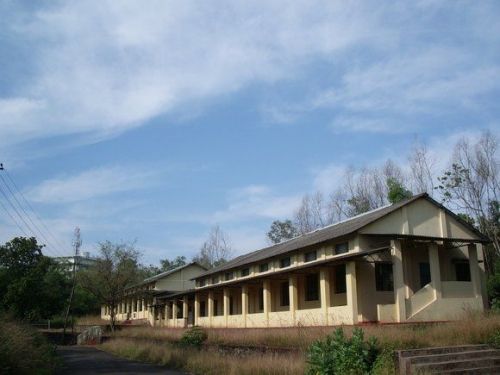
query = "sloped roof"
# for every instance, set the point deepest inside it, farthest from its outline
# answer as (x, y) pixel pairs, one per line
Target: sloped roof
(166, 273)
(169, 272)
(330, 232)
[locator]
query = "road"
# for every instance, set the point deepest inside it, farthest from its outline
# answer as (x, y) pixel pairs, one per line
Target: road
(80, 360)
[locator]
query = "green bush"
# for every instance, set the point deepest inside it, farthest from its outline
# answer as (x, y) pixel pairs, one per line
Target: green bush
(494, 340)
(194, 337)
(385, 363)
(338, 354)
(58, 322)
(23, 350)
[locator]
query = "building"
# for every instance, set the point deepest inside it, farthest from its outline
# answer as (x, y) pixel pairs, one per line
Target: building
(81, 262)
(140, 301)
(407, 262)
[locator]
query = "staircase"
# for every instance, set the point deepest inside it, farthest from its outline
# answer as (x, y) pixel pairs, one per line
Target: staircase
(466, 359)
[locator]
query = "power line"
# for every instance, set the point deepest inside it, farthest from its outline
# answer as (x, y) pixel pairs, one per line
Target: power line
(30, 229)
(26, 213)
(33, 210)
(13, 219)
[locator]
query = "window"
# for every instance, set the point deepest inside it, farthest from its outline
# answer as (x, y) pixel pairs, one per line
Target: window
(203, 282)
(312, 287)
(341, 248)
(216, 307)
(261, 298)
(340, 283)
(231, 312)
(202, 308)
(285, 262)
(245, 272)
(284, 294)
(384, 281)
(228, 276)
(462, 270)
(310, 256)
(215, 280)
(425, 273)
(264, 267)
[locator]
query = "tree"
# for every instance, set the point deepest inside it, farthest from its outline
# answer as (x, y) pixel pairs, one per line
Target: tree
(215, 251)
(115, 270)
(147, 271)
(421, 167)
(471, 185)
(281, 230)
(397, 192)
(178, 261)
(313, 213)
(32, 286)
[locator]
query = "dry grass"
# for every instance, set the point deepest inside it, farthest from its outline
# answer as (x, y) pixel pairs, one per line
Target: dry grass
(23, 350)
(206, 362)
(472, 329)
(91, 320)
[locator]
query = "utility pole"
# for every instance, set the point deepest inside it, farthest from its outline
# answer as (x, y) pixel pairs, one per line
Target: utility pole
(77, 243)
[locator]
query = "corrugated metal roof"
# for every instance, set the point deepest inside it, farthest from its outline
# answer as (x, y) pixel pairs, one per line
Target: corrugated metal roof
(166, 273)
(340, 229)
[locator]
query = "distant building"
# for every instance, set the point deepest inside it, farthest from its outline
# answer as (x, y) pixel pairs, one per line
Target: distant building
(143, 301)
(82, 261)
(406, 262)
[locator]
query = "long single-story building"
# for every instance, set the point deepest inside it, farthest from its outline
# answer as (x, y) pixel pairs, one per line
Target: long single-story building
(410, 261)
(139, 302)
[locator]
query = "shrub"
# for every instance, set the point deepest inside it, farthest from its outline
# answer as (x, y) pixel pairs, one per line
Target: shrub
(195, 337)
(58, 322)
(385, 363)
(338, 354)
(494, 339)
(23, 350)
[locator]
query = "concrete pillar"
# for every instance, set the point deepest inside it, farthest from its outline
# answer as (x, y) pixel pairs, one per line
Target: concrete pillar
(226, 305)
(196, 308)
(293, 296)
(352, 290)
(435, 270)
(153, 311)
(137, 305)
(267, 299)
(210, 307)
(166, 314)
(475, 275)
(174, 313)
(399, 283)
(244, 304)
(324, 285)
(185, 309)
(482, 275)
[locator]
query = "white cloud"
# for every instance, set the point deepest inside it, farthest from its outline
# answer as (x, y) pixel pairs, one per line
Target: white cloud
(90, 184)
(328, 178)
(104, 67)
(256, 201)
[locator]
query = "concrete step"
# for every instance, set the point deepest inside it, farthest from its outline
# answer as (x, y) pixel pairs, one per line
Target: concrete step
(406, 357)
(463, 364)
(472, 371)
(440, 350)
(454, 356)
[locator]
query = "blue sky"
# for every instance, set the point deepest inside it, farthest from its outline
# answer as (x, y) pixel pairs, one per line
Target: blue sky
(153, 121)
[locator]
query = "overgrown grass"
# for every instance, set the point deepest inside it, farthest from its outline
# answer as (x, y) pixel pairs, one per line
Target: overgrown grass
(206, 361)
(23, 350)
(472, 329)
(160, 345)
(91, 320)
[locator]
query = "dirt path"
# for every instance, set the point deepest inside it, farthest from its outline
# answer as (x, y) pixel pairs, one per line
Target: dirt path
(81, 360)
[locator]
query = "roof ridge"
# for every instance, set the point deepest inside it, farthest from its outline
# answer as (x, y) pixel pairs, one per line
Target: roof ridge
(229, 264)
